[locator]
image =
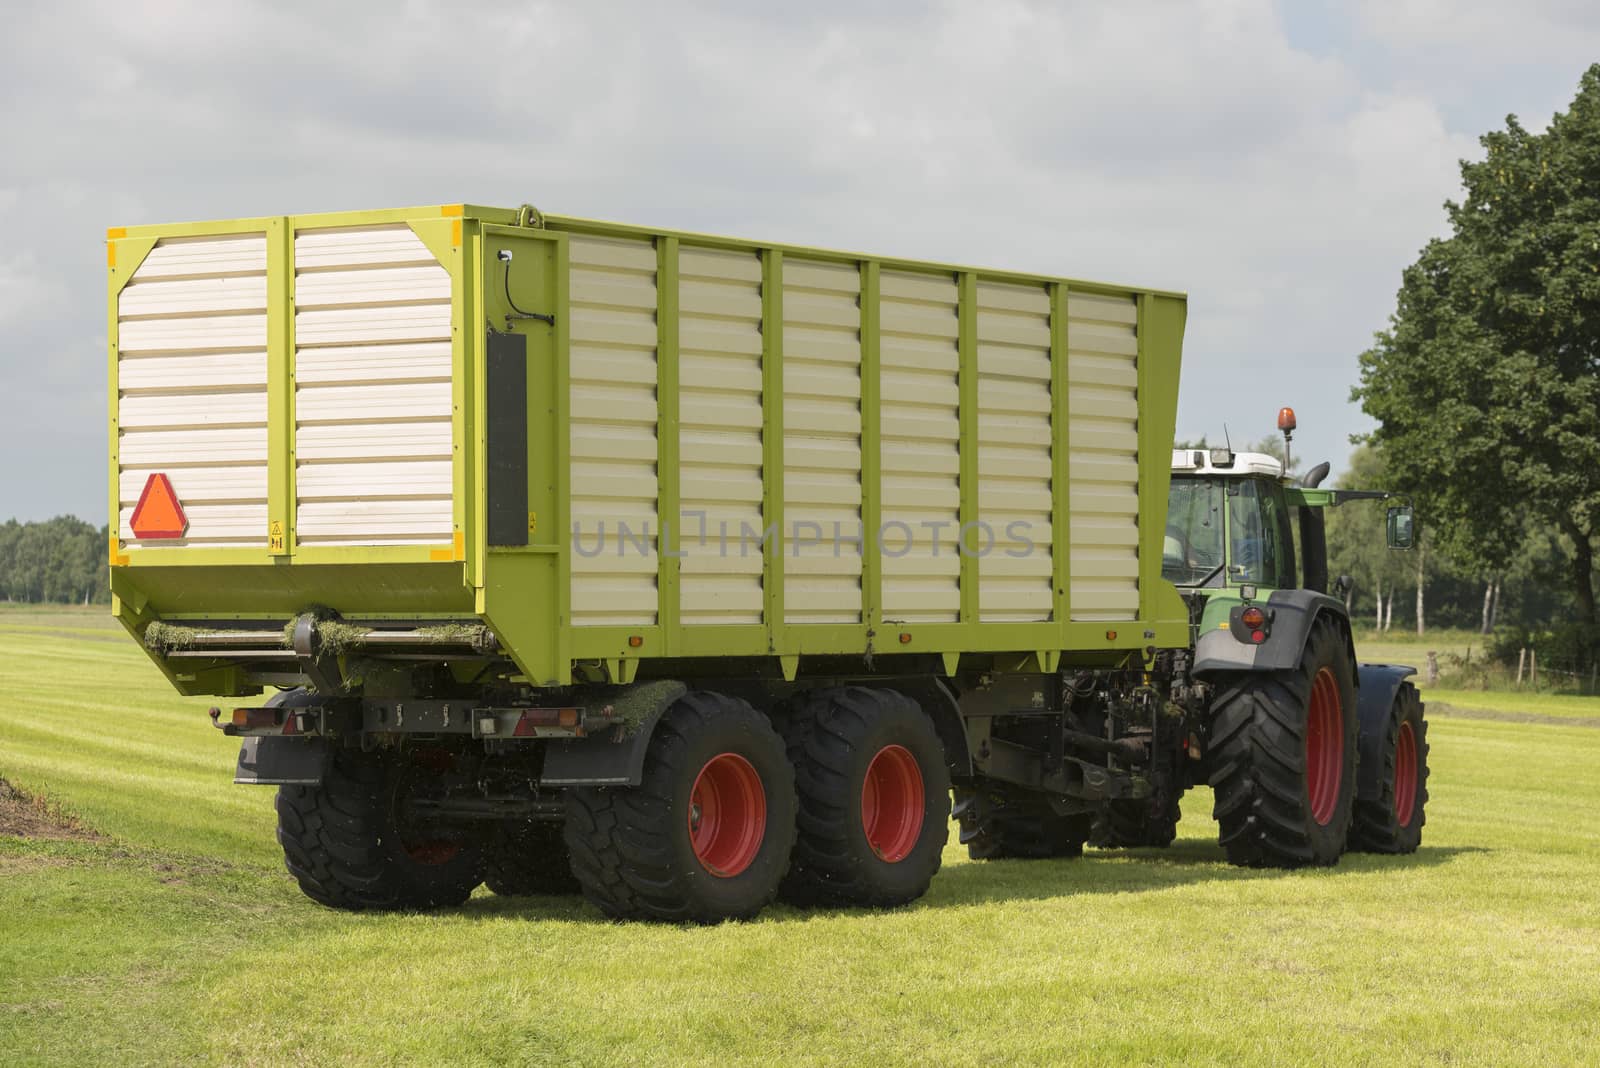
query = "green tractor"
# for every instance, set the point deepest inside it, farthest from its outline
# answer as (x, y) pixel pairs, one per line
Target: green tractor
(1308, 752)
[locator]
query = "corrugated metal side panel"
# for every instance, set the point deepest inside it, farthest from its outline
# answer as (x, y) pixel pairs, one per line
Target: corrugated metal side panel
(613, 413)
(192, 386)
(919, 331)
(1015, 580)
(719, 471)
(822, 441)
(1103, 437)
(372, 389)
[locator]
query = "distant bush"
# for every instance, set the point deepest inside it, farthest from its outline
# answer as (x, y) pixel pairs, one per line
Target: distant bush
(1572, 649)
(61, 560)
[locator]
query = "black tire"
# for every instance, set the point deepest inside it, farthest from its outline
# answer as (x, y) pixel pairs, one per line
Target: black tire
(344, 843)
(874, 793)
(1000, 822)
(1284, 789)
(1137, 823)
(1393, 823)
(632, 849)
(529, 858)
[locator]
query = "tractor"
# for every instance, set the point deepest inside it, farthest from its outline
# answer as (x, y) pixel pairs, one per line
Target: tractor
(1308, 752)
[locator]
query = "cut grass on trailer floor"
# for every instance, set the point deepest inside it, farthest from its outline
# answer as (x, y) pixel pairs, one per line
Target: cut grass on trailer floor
(178, 938)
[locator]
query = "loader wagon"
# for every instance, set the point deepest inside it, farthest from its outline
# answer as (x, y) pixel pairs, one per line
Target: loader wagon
(678, 570)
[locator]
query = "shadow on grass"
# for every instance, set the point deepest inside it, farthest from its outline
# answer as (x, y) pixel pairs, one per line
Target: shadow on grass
(1121, 871)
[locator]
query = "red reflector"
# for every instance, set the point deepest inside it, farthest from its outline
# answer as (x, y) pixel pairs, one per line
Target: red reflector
(158, 513)
(1258, 636)
(1254, 618)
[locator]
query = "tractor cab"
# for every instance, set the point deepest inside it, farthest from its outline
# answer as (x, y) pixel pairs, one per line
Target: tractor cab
(1227, 522)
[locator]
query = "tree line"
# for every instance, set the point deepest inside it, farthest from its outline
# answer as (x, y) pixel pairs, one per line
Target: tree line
(62, 560)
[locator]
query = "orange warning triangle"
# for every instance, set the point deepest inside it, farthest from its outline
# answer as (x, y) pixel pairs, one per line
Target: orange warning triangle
(158, 513)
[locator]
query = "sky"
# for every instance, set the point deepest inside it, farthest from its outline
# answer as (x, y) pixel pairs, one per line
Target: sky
(1279, 162)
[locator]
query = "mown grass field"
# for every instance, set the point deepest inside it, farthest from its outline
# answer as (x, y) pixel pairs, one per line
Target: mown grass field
(177, 938)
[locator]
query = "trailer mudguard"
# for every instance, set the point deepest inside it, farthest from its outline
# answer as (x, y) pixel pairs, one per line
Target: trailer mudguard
(1379, 685)
(603, 759)
(282, 762)
(1293, 614)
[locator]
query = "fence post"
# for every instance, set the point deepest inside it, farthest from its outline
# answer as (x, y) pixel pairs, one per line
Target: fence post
(1533, 668)
(1433, 668)
(1522, 657)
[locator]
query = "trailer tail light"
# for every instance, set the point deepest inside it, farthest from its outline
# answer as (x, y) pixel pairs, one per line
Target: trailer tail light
(532, 719)
(255, 719)
(259, 722)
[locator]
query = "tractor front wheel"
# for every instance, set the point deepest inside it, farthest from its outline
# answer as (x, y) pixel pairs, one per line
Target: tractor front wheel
(1392, 822)
(999, 822)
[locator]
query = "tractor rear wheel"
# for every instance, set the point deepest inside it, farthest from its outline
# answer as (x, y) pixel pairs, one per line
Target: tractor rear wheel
(1283, 758)
(706, 835)
(351, 844)
(529, 858)
(1000, 822)
(874, 795)
(1393, 822)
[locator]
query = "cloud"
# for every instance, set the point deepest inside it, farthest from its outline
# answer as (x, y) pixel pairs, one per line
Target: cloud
(1185, 145)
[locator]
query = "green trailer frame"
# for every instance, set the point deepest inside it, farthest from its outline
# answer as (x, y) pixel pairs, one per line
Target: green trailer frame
(523, 592)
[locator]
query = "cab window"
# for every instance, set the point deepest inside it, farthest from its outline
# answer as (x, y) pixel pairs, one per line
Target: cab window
(1258, 535)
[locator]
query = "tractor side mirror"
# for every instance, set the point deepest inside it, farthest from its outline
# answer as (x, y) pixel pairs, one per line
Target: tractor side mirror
(1400, 526)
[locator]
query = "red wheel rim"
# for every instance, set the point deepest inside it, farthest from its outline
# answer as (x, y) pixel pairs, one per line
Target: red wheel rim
(892, 803)
(727, 815)
(1324, 747)
(1405, 775)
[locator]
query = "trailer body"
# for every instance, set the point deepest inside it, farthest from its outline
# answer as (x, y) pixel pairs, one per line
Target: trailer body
(618, 447)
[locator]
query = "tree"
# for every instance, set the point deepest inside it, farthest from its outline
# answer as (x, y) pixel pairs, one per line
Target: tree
(62, 559)
(1485, 384)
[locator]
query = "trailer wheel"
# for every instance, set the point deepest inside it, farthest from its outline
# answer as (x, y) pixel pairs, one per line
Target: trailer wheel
(874, 795)
(1393, 822)
(1000, 822)
(1135, 823)
(529, 858)
(1283, 758)
(706, 835)
(350, 846)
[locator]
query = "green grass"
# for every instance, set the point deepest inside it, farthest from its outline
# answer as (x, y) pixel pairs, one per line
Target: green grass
(180, 940)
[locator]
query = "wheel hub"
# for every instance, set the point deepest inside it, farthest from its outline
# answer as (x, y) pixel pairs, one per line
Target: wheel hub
(727, 815)
(1405, 775)
(1324, 747)
(892, 803)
